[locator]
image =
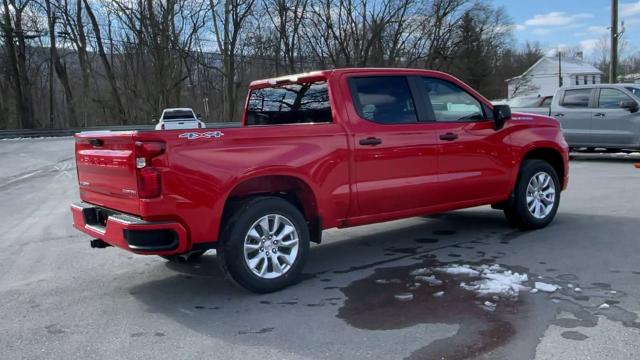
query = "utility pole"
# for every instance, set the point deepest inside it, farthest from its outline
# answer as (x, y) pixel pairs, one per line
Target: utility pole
(559, 68)
(613, 76)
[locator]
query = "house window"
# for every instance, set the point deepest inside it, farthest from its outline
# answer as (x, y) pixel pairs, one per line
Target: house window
(577, 80)
(593, 79)
(585, 80)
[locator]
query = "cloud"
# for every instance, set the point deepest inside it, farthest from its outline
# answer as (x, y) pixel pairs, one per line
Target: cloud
(599, 30)
(629, 9)
(589, 45)
(541, 31)
(556, 18)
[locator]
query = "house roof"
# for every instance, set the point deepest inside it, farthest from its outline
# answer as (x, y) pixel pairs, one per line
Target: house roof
(570, 66)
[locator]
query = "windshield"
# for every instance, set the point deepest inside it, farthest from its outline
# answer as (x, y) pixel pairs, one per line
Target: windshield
(635, 91)
(524, 102)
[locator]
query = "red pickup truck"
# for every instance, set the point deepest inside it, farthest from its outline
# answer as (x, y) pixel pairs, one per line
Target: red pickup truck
(326, 149)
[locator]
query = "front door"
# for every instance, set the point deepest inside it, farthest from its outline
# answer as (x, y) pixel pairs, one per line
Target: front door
(473, 164)
(612, 125)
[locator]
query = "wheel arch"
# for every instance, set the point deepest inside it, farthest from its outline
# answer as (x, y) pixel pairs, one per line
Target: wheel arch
(550, 155)
(291, 188)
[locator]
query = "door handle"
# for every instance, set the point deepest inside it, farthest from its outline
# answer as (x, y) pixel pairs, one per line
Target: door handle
(449, 136)
(558, 114)
(371, 141)
(598, 114)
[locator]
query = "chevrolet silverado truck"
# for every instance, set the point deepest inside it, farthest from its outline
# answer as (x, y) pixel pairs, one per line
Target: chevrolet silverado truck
(319, 150)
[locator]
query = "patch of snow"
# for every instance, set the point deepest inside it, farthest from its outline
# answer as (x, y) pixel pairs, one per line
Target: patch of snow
(420, 271)
(404, 296)
(439, 293)
(570, 286)
(489, 305)
(431, 280)
(533, 291)
(545, 287)
(385, 281)
(604, 306)
(555, 301)
(612, 292)
(459, 270)
(577, 290)
(504, 283)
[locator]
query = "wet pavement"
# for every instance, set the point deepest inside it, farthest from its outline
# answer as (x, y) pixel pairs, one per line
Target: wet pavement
(358, 299)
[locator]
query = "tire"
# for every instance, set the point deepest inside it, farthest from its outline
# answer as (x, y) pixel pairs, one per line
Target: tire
(268, 264)
(184, 258)
(518, 211)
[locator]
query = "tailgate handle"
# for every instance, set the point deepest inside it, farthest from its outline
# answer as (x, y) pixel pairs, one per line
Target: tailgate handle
(96, 142)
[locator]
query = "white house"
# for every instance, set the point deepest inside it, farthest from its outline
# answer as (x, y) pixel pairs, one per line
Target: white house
(542, 77)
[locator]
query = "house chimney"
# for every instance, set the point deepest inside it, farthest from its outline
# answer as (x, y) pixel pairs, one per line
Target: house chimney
(580, 55)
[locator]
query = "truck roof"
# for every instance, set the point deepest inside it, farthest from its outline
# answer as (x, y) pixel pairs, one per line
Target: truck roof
(325, 74)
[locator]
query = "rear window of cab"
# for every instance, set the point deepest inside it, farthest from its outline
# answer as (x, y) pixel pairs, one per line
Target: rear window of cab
(289, 104)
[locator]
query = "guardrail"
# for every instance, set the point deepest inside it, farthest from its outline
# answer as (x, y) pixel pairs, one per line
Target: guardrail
(35, 133)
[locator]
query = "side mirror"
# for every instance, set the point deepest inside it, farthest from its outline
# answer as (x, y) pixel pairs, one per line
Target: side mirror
(501, 113)
(199, 116)
(632, 106)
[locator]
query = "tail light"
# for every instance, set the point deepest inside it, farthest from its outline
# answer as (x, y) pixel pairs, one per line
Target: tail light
(149, 185)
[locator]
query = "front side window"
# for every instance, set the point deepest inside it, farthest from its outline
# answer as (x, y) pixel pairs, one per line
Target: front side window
(450, 102)
(289, 104)
(384, 99)
(576, 98)
(611, 98)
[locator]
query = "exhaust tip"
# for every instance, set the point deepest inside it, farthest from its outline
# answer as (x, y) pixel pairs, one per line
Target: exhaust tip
(98, 244)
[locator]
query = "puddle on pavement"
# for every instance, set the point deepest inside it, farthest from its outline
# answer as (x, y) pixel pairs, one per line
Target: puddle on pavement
(372, 305)
(388, 299)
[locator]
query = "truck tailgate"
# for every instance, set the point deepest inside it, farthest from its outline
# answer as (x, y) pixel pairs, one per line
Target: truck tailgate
(106, 170)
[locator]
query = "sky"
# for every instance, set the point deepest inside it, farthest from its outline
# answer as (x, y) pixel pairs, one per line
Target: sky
(560, 23)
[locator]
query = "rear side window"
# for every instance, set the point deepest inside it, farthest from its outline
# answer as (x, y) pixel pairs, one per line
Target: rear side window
(546, 102)
(450, 102)
(289, 104)
(576, 98)
(611, 98)
(384, 99)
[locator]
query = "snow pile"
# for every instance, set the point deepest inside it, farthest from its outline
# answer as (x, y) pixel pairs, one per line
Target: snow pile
(458, 270)
(431, 280)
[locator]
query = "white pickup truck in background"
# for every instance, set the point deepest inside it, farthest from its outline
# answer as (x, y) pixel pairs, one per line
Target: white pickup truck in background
(179, 118)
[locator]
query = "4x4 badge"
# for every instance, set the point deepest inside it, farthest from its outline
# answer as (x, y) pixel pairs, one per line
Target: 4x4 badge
(195, 135)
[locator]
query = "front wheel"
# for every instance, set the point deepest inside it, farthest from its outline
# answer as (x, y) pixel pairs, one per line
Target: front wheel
(536, 196)
(264, 244)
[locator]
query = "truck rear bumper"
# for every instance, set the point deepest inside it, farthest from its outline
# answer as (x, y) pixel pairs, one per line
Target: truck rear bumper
(130, 232)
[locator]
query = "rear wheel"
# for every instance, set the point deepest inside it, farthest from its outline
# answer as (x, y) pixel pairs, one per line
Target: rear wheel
(264, 244)
(536, 196)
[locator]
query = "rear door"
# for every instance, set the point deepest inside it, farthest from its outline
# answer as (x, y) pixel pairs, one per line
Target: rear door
(574, 113)
(473, 164)
(395, 153)
(613, 126)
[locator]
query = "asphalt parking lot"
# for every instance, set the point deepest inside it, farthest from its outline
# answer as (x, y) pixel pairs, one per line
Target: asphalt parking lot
(60, 299)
